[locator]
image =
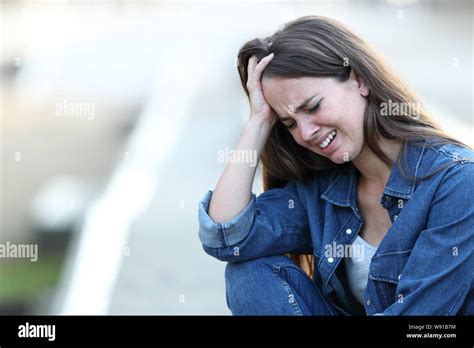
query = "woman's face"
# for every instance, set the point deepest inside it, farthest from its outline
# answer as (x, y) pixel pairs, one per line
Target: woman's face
(334, 108)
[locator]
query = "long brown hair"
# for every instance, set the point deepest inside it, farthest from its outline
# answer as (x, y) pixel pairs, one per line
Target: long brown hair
(313, 46)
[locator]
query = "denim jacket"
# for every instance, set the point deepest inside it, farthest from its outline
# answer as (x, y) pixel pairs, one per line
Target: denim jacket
(424, 264)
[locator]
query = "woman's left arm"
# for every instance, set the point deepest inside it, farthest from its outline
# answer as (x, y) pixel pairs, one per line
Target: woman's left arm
(437, 278)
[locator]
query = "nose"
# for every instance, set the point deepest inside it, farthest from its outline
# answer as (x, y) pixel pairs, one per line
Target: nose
(308, 131)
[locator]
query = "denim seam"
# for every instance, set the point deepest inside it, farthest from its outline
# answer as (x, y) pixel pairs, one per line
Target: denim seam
(417, 167)
(462, 160)
(375, 276)
(323, 297)
(298, 269)
(393, 253)
(221, 234)
(382, 279)
(287, 288)
(453, 310)
(380, 292)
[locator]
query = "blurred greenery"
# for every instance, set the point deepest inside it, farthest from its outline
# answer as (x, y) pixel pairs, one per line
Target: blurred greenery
(25, 280)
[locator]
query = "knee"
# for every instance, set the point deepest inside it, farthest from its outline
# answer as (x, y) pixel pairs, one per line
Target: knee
(246, 282)
(245, 272)
(272, 285)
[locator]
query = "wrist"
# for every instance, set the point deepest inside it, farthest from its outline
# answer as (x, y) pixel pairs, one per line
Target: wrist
(260, 124)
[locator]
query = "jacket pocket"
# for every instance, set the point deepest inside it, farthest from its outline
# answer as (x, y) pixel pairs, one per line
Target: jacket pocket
(386, 270)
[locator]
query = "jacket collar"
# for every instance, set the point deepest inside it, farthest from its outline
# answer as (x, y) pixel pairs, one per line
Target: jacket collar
(343, 189)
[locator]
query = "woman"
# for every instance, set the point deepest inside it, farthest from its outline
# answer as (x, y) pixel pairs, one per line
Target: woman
(358, 177)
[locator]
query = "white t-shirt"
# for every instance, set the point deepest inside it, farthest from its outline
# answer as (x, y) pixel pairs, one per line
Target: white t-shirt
(357, 267)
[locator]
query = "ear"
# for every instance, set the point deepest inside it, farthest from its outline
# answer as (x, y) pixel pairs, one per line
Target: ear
(360, 83)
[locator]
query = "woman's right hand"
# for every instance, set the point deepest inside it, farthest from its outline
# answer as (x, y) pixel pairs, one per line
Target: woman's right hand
(259, 108)
(233, 191)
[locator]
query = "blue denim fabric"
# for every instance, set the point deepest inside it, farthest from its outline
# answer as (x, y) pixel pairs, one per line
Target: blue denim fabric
(423, 266)
(273, 285)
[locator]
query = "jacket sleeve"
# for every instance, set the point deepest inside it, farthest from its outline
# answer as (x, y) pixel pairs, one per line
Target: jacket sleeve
(273, 223)
(438, 275)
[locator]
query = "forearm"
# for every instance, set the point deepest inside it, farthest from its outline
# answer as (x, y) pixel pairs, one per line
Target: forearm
(234, 188)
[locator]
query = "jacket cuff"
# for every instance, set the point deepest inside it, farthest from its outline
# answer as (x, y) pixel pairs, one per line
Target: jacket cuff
(218, 235)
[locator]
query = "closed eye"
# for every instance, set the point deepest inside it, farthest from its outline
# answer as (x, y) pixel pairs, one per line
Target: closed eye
(313, 110)
(316, 106)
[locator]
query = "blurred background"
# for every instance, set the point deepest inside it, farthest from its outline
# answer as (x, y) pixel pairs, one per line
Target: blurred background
(112, 116)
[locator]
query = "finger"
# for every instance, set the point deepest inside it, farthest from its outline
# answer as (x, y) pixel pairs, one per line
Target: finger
(262, 65)
(254, 77)
(251, 66)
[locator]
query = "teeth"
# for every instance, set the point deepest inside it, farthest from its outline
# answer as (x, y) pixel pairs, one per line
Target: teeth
(326, 141)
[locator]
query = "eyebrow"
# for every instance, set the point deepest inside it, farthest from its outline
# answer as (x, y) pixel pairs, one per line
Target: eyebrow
(301, 106)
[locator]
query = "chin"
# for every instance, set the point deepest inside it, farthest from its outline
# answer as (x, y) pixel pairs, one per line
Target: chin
(338, 159)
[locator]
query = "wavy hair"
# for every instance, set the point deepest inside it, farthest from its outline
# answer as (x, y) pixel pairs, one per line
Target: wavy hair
(314, 46)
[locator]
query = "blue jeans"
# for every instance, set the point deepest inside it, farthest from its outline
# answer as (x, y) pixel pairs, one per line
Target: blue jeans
(273, 285)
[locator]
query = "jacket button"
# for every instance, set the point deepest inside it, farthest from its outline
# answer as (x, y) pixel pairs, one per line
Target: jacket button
(399, 276)
(330, 260)
(348, 231)
(368, 302)
(395, 217)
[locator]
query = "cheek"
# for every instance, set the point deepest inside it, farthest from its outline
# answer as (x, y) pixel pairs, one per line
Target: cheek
(359, 104)
(351, 117)
(332, 113)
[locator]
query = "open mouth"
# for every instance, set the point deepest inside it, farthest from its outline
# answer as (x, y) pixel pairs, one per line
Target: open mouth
(329, 139)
